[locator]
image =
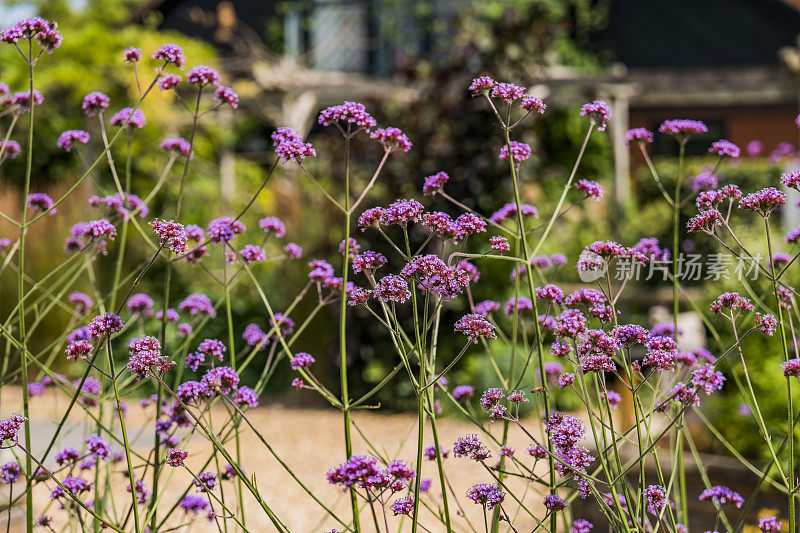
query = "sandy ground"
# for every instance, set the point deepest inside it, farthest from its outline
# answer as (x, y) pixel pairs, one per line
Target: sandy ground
(310, 441)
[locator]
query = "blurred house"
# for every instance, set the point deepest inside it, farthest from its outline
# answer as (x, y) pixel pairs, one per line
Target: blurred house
(732, 63)
(729, 63)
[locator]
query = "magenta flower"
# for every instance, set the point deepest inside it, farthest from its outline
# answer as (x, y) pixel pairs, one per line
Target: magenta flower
(10, 149)
(289, 145)
(202, 75)
(24, 101)
(392, 288)
(764, 201)
(639, 136)
(508, 92)
(171, 54)
(301, 360)
(176, 145)
(591, 189)
(481, 85)
(486, 495)
(132, 55)
(171, 235)
(533, 105)
(499, 244)
(129, 118)
(725, 148)
(721, 496)
(94, 103)
(293, 250)
(519, 151)
(392, 139)
(41, 202)
(682, 128)
(224, 229)
(34, 28)
(434, 183)
(67, 140)
(475, 326)
(226, 95)
(598, 112)
(348, 112)
(170, 81)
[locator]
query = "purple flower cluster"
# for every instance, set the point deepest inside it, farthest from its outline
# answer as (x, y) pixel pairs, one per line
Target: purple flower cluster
(519, 151)
(392, 139)
(129, 118)
(224, 229)
(682, 128)
(289, 145)
(486, 495)
(33, 28)
(475, 327)
(599, 113)
(721, 496)
(176, 145)
(145, 356)
(66, 141)
(348, 112)
(171, 235)
(434, 183)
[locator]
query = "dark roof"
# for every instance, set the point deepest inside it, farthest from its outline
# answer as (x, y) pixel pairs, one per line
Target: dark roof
(204, 19)
(671, 33)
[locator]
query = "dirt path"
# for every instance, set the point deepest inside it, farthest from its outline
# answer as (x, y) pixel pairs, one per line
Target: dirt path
(310, 441)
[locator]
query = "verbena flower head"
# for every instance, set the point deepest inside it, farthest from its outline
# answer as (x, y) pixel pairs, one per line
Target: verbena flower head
(481, 85)
(145, 356)
(486, 495)
(202, 75)
(94, 102)
(11, 149)
(129, 118)
(348, 112)
(403, 505)
(598, 112)
(765, 323)
(273, 225)
(401, 212)
(510, 210)
(732, 301)
(463, 392)
(9, 429)
(591, 189)
(682, 128)
(581, 526)
(224, 229)
(171, 235)
(253, 254)
(104, 325)
(24, 101)
(132, 55)
(293, 250)
(533, 105)
(140, 304)
(392, 288)
(764, 201)
(708, 379)
(725, 148)
(170, 81)
(499, 244)
(392, 139)
(289, 145)
(519, 151)
(301, 360)
(81, 301)
(222, 379)
(34, 28)
(226, 95)
(706, 222)
(434, 183)
(705, 181)
(507, 92)
(475, 327)
(171, 54)
(553, 503)
(175, 457)
(370, 217)
(791, 179)
(176, 145)
(66, 141)
(40, 202)
(97, 447)
(198, 304)
(74, 485)
(471, 446)
(722, 495)
(639, 136)
(769, 523)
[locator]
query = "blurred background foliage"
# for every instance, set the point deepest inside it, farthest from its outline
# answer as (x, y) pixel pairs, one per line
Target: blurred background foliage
(450, 130)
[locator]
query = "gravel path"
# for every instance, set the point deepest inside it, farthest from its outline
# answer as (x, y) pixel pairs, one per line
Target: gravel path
(310, 441)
